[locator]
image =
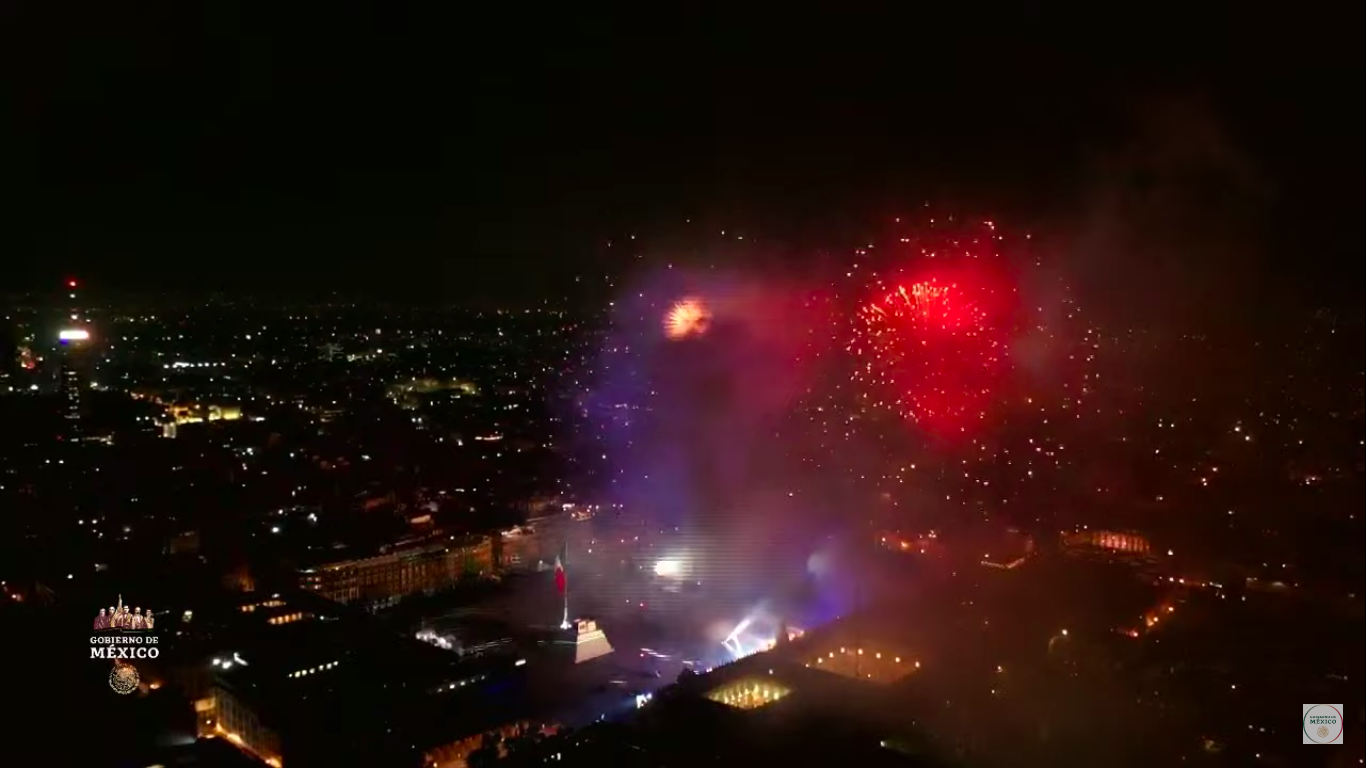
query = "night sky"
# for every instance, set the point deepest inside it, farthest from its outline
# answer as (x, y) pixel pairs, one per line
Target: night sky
(210, 147)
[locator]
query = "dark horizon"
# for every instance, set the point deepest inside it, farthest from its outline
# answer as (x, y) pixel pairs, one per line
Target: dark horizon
(390, 156)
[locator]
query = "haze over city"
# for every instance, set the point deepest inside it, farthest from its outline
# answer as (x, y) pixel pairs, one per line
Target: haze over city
(403, 388)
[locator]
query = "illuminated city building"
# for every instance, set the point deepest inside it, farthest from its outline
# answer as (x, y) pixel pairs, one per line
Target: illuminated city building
(749, 693)
(276, 611)
(223, 715)
(875, 663)
(386, 578)
(456, 753)
(413, 393)
(73, 351)
(70, 387)
(765, 710)
(1109, 545)
(193, 413)
(293, 691)
(187, 412)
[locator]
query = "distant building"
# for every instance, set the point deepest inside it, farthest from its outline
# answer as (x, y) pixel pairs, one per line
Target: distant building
(73, 376)
(888, 665)
(533, 546)
(749, 693)
(763, 710)
(1107, 545)
(73, 356)
(224, 714)
(295, 685)
(384, 579)
(70, 385)
(178, 412)
(194, 413)
(854, 648)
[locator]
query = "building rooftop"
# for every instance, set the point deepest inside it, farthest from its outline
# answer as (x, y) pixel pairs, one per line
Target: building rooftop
(763, 709)
(304, 678)
(856, 648)
(205, 753)
(318, 559)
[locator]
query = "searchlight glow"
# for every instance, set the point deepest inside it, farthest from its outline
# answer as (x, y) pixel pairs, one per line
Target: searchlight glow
(668, 567)
(73, 334)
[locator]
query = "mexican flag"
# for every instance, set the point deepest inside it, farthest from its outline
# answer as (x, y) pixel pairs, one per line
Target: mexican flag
(560, 558)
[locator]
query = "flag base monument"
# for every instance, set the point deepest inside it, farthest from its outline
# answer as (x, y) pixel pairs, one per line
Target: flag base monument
(587, 639)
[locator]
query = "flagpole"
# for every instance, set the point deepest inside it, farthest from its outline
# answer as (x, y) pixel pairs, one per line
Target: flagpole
(564, 594)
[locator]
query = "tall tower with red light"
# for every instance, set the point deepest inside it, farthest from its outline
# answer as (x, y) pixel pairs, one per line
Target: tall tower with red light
(73, 339)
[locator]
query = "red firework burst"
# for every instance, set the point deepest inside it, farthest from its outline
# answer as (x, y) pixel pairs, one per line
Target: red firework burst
(930, 350)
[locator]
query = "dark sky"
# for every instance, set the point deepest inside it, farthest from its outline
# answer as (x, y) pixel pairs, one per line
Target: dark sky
(207, 146)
